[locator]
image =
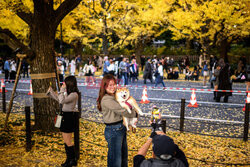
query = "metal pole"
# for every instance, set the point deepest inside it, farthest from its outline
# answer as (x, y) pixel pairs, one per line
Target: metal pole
(61, 41)
(77, 130)
(4, 99)
(246, 123)
(28, 128)
(182, 116)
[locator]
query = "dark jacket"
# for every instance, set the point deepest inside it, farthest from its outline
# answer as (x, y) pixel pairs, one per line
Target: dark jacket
(224, 81)
(147, 71)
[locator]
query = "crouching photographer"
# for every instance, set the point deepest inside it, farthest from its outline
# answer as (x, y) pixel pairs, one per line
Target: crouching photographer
(165, 152)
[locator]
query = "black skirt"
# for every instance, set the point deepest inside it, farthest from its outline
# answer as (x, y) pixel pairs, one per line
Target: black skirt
(68, 124)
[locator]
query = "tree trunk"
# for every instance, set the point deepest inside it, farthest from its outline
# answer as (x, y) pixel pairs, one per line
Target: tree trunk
(105, 45)
(224, 49)
(78, 48)
(139, 48)
(43, 35)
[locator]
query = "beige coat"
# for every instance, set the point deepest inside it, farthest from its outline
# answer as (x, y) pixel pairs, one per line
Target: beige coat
(112, 110)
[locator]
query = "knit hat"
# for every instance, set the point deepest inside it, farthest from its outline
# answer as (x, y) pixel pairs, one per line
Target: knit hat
(163, 146)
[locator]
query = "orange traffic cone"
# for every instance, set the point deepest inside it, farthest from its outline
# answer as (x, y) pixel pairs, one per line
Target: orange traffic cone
(30, 92)
(144, 98)
(2, 85)
(193, 102)
(247, 100)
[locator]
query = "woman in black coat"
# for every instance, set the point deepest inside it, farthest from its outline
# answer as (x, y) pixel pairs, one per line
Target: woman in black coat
(224, 84)
(148, 71)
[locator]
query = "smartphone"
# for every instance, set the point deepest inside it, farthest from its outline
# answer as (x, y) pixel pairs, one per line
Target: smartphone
(155, 116)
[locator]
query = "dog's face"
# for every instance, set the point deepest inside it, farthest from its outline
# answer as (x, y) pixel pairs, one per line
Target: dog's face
(122, 94)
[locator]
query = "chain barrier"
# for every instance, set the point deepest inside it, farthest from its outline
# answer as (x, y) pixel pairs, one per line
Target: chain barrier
(133, 150)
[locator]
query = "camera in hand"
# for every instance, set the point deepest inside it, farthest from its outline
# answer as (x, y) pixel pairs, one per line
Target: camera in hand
(155, 119)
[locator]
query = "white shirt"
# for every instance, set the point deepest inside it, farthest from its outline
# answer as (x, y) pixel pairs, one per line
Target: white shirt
(111, 67)
(12, 66)
(72, 66)
(160, 70)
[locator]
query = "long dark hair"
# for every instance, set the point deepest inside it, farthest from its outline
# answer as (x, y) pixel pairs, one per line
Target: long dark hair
(71, 84)
(105, 81)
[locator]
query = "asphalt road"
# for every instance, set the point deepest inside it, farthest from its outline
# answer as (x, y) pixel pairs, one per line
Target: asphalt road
(220, 119)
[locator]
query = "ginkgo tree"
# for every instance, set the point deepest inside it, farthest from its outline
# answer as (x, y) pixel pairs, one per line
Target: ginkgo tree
(31, 26)
(216, 23)
(96, 22)
(148, 23)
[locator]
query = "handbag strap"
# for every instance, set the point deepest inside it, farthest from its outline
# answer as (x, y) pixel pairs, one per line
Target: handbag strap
(60, 109)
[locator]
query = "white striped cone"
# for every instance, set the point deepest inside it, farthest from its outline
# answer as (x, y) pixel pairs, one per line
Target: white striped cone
(31, 91)
(144, 99)
(2, 86)
(193, 102)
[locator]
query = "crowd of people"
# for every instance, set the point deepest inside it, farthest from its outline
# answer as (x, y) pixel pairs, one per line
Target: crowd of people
(127, 70)
(9, 68)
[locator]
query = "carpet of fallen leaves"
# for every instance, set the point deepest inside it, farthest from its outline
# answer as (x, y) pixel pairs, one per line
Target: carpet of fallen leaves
(48, 150)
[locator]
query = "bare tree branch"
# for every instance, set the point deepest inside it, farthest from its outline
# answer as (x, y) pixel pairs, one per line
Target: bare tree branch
(11, 40)
(22, 11)
(64, 9)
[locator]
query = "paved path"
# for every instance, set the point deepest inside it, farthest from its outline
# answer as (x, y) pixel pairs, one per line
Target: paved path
(210, 117)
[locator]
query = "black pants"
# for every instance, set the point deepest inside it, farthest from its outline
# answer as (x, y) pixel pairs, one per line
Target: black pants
(61, 78)
(12, 76)
(6, 73)
(225, 98)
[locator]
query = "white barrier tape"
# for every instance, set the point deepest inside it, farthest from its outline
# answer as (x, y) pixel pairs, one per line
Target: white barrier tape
(21, 90)
(200, 119)
(237, 92)
(199, 102)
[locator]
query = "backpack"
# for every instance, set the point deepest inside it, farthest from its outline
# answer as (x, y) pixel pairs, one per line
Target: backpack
(160, 163)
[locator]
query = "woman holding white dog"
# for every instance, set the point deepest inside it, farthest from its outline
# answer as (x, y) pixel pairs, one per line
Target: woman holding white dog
(115, 131)
(68, 97)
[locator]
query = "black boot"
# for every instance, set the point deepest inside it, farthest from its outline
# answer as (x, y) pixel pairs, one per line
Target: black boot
(215, 95)
(225, 99)
(67, 154)
(217, 98)
(72, 157)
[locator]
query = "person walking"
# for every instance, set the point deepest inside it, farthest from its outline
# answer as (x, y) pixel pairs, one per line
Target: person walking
(25, 67)
(205, 73)
(115, 132)
(60, 69)
(105, 65)
(89, 71)
(159, 75)
(133, 70)
(224, 84)
(123, 70)
(13, 70)
(111, 67)
(68, 97)
(7, 70)
(73, 67)
(148, 71)
(216, 79)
